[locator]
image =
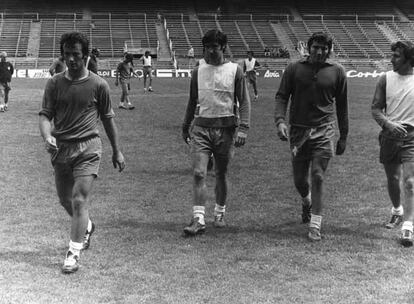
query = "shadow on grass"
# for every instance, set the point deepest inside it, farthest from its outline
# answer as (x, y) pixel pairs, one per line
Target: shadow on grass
(37, 259)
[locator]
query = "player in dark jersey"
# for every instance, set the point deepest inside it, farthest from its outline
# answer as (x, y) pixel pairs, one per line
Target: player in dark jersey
(73, 102)
(6, 72)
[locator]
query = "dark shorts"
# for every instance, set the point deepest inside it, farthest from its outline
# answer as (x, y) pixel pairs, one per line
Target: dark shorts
(124, 86)
(308, 143)
(219, 141)
(81, 157)
(251, 76)
(396, 151)
(147, 71)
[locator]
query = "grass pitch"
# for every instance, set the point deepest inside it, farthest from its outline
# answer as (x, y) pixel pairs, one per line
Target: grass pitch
(137, 254)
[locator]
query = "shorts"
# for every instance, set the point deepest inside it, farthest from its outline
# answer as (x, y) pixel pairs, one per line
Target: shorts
(217, 141)
(124, 86)
(308, 143)
(396, 151)
(147, 71)
(81, 157)
(251, 76)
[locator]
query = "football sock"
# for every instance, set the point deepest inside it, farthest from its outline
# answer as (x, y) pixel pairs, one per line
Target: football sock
(198, 211)
(407, 225)
(397, 211)
(219, 209)
(307, 199)
(89, 228)
(75, 247)
(316, 221)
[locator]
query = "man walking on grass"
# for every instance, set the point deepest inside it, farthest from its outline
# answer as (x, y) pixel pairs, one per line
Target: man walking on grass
(315, 86)
(393, 110)
(74, 101)
(216, 87)
(123, 74)
(6, 72)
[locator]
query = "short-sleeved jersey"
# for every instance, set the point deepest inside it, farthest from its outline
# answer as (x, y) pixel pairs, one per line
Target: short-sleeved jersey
(6, 71)
(124, 70)
(76, 106)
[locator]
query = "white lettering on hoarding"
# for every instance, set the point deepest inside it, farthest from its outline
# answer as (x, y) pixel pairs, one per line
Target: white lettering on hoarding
(356, 74)
(269, 74)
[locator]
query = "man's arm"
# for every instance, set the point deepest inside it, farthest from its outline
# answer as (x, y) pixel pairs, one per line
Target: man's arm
(242, 94)
(11, 69)
(341, 99)
(191, 106)
(379, 102)
(112, 133)
(45, 127)
(281, 101)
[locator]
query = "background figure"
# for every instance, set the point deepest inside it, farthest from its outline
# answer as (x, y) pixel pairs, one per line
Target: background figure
(147, 70)
(57, 66)
(123, 73)
(6, 72)
(92, 61)
(393, 110)
(191, 58)
(249, 68)
(315, 86)
(73, 101)
(216, 86)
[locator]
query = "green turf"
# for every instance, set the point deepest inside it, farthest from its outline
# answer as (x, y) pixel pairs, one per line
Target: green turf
(137, 254)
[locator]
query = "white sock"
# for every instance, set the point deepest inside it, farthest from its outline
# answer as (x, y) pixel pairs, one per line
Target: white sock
(407, 225)
(89, 228)
(219, 209)
(316, 221)
(199, 211)
(75, 247)
(397, 211)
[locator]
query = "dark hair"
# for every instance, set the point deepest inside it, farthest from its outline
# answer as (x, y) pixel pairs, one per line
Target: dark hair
(320, 37)
(213, 36)
(407, 48)
(250, 52)
(71, 38)
(129, 57)
(96, 52)
(147, 53)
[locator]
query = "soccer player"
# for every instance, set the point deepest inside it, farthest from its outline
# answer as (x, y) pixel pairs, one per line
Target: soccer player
(58, 66)
(249, 68)
(147, 70)
(123, 73)
(191, 58)
(315, 86)
(92, 61)
(6, 72)
(68, 121)
(393, 109)
(216, 86)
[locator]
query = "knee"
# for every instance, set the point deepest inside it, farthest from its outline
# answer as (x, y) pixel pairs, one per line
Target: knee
(78, 203)
(199, 175)
(317, 176)
(409, 185)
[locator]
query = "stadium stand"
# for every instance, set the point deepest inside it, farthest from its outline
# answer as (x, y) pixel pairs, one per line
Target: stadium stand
(361, 31)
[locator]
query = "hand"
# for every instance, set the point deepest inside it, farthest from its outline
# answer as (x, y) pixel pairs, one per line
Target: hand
(240, 139)
(340, 147)
(186, 137)
(50, 144)
(282, 131)
(118, 160)
(396, 129)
